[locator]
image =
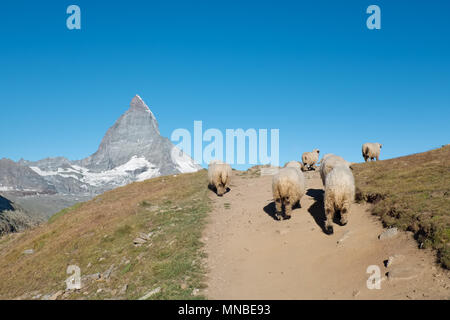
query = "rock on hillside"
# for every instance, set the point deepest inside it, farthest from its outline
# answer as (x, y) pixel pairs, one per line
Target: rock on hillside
(13, 218)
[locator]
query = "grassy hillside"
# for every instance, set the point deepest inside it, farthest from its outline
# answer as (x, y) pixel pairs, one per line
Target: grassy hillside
(412, 193)
(98, 236)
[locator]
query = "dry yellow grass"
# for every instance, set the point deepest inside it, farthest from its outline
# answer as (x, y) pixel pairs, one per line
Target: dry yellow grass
(99, 233)
(412, 193)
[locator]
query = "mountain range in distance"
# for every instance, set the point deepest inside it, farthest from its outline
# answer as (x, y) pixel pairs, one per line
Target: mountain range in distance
(131, 150)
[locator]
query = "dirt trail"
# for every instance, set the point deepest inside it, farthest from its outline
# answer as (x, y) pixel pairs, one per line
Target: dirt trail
(253, 256)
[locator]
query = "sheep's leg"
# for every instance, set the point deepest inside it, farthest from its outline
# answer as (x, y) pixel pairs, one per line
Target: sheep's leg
(287, 211)
(344, 213)
(344, 218)
(377, 158)
(329, 213)
(278, 208)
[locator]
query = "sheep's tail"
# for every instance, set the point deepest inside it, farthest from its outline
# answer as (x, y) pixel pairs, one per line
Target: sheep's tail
(364, 149)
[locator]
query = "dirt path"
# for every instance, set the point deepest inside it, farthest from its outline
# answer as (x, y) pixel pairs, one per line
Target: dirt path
(253, 256)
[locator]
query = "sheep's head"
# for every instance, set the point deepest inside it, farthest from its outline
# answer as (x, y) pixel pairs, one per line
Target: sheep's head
(286, 201)
(317, 150)
(220, 189)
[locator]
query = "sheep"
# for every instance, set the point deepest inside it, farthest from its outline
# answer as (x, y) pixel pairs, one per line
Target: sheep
(219, 176)
(309, 159)
(294, 164)
(215, 161)
(288, 187)
(324, 157)
(371, 150)
(329, 161)
(339, 195)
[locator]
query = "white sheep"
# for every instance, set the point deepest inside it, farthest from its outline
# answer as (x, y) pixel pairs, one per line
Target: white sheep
(329, 161)
(324, 157)
(339, 195)
(288, 187)
(294, 164)
(215, 161)
(371, 150)
(219, 176)
(309, 159)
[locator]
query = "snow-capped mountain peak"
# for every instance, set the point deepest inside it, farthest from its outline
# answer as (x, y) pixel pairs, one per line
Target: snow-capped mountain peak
(138, 104)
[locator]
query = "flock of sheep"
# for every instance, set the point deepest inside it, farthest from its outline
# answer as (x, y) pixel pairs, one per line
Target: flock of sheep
(288, 184)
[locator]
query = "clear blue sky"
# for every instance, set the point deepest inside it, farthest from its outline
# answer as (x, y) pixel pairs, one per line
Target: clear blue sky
(310, 68)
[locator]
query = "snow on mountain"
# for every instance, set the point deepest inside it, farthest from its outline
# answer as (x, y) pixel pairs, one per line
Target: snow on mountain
(60, 171)
(17, 177)
(184, 162)
(136, 169)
